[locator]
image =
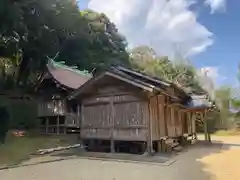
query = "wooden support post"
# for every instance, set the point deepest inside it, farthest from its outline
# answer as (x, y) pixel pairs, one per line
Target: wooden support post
(205, 126)
(80, 120)
(47, 125)
(164, 149)
(112, 124)
(166, 121)
(159, 144)
(193, 125)
(161, 117)
(150, 141)
(78, 115)
(65, 124)
(208, 128)
(57, 124)
(189, 123)
(172, 119)
(180, 121)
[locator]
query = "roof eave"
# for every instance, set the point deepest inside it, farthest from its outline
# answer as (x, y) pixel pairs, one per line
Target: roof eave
(108, 73)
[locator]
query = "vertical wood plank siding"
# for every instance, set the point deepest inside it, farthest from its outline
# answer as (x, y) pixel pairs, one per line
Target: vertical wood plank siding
(114, 114)
(118, 113)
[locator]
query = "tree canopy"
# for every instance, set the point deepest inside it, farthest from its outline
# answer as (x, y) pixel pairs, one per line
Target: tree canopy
(179, 72)
(31, 31)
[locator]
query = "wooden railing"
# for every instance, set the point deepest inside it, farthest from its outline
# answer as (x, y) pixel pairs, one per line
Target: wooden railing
(72, 120)
(51, 108)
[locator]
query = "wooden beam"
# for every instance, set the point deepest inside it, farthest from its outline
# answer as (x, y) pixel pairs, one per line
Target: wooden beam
(46, 125)
(189, 122)
(112, 123)
(149, 139)
(137, 83)
(173, 122)
(145, 76)
(180, 120)
(205, 126)
(161, 116)
(57, 124)
(78, 115)
(81, 122)
(194, 123)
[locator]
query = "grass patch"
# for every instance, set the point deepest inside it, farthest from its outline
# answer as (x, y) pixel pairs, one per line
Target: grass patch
(227, 133)
(18, 149)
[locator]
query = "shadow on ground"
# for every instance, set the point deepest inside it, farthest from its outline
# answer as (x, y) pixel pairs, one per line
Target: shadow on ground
(186, 165)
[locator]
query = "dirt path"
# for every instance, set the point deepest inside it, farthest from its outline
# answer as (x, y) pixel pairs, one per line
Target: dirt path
(198, 163)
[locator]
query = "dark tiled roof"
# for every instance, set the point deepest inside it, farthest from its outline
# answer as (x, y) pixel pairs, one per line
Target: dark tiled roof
(67, 76)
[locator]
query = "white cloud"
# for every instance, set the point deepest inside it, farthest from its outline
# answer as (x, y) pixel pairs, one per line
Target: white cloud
(207, 77)
(211, 77)
(165, 25)
(216, 5)
(211, 72)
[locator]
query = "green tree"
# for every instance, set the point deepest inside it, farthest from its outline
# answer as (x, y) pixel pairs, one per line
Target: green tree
(31, 31)
(105, 48)
(235, 101)
(35, 30)
(182, 73)
(223, 99)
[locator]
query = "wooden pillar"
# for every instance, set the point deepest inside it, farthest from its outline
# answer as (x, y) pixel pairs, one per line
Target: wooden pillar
(65, 126)
(112, 123)
(81, 119)
(57, 124)
(180, 121)
(47, 125)
(188, 122)
(161, 122)
(205, 126)
(65, 123)
(172, 118)
(78, 115)
(194, 124)
(150, 128)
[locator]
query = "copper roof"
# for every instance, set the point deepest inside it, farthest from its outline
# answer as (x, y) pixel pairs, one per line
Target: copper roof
(67, 76)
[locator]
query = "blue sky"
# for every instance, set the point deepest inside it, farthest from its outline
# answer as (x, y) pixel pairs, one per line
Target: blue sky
(224, 53)
(207, 30)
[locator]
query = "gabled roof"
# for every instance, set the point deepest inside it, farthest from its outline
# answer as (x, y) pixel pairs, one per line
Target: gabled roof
(69, 77)
(135, 78)
(195, 100)
(153, 80)
(144, 76)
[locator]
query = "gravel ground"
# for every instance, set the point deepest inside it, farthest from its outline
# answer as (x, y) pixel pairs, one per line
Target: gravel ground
(198, 163)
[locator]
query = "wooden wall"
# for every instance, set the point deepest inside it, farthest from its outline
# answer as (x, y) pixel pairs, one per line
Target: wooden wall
(72, 120)
(168, 120)
(114, 112)
(120, 112)
(51, 108)
(158, 115)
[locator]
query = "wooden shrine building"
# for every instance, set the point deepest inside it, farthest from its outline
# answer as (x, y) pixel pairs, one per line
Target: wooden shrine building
(56, 115)
(122, 106)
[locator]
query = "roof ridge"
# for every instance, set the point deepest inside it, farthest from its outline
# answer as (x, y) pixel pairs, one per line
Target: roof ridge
(73, 69)
(144, 75)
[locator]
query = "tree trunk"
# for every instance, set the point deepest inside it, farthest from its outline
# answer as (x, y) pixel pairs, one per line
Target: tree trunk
(23, 72)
